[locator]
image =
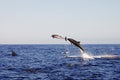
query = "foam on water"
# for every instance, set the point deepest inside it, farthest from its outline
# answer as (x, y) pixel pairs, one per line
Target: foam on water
(87, 56)
(107, 56)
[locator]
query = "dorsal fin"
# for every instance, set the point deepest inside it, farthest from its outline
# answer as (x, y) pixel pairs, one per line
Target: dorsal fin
(78, 41)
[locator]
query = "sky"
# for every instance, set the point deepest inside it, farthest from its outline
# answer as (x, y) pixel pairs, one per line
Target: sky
(34, 21)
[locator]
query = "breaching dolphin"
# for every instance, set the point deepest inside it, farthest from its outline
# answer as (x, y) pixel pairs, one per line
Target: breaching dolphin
(76, 43)
(57, 36)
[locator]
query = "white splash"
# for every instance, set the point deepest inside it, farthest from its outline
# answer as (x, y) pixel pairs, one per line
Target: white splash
(87, 56)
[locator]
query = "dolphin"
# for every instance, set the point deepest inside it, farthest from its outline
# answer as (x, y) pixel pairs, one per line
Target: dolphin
(57, 36)
(76, 43)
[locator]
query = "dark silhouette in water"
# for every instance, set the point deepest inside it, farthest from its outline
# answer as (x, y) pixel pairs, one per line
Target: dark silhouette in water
(13, 53)
(32, 70)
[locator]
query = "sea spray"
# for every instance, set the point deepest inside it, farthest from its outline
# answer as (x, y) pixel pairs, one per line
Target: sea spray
(86, 56)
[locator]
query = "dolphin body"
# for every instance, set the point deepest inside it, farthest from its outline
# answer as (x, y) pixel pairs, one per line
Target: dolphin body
(76, 43)
(57, 36)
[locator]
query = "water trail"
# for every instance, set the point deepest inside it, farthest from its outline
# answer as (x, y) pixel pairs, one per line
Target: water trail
(89, 56)
(107, 56)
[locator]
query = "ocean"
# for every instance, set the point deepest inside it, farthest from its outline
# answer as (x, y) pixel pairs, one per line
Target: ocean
(55, 62)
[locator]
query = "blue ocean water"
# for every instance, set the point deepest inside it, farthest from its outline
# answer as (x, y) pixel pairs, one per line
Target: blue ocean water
(49, 62)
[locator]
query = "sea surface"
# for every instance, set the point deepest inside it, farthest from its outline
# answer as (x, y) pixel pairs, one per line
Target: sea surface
(51, 62)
